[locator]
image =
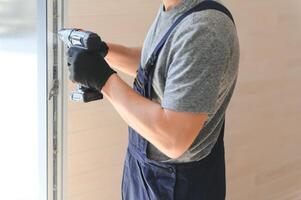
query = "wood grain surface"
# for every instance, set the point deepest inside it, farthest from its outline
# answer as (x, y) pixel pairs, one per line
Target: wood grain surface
(263, 126)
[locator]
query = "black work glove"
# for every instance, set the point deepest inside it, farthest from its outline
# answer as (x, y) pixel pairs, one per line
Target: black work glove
(104, 49)
(88, 68)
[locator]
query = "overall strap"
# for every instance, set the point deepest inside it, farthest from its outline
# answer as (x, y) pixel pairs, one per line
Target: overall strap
(204, 5)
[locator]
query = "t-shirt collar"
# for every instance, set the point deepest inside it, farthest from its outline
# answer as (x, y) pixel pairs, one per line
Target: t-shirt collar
(178, 9)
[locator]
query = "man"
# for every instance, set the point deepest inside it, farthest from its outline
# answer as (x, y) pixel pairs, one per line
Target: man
(177, 108)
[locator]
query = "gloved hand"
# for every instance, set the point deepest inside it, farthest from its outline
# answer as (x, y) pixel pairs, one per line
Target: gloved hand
(88, 68)
(104, 49)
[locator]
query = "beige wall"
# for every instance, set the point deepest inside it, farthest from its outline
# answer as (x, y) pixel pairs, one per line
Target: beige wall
(262, 137)
(97, 136)
(263, 130)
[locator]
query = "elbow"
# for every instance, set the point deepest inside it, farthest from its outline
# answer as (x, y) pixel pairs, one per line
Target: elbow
(177, 132)
(180, 141)
(177, 146)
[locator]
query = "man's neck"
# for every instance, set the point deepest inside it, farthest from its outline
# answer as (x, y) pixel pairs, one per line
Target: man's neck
(169, 4)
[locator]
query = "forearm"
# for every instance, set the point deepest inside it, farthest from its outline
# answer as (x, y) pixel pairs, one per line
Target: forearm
(140, 113)
(124, 58)
(150, 120)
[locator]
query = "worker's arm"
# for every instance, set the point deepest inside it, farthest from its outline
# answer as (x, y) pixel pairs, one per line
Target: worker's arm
(171, 132)
(124, 58)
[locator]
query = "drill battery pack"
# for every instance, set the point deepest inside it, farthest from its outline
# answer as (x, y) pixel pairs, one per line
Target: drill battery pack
(83, 94)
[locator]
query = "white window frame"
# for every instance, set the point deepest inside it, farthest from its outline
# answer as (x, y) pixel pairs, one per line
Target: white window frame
(52, 75)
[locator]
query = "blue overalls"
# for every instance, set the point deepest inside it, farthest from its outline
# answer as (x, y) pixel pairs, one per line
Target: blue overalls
(146, 179)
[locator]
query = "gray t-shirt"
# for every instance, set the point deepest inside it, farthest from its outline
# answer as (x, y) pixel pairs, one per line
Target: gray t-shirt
(196, 70)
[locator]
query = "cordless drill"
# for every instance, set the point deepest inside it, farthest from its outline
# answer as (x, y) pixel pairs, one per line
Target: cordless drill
(91, 42)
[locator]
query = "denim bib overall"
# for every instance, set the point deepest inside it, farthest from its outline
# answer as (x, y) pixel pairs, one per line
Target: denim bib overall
(146, 179)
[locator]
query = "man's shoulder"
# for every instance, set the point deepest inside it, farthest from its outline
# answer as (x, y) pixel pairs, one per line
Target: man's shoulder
(211, 22)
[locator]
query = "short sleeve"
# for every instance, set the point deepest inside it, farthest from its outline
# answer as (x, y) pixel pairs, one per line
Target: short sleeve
(199, 57)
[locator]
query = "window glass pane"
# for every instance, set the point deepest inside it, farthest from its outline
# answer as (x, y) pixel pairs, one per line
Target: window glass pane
(19, 143)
